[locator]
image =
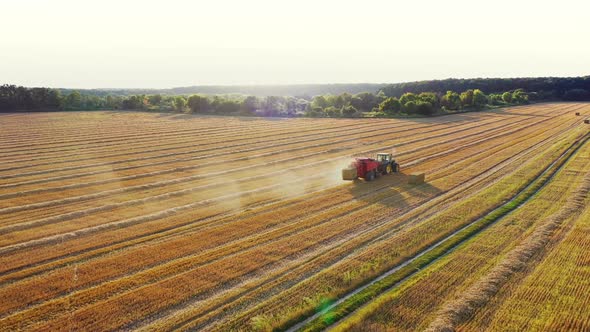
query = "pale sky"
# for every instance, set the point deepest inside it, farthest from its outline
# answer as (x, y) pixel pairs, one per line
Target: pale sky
(162, 44)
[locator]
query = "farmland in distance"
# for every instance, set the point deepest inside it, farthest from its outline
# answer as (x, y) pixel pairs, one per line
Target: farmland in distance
(144, 221)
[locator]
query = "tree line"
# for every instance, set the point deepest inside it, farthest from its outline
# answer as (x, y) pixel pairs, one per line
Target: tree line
(342, 105)
(430, 103)
(387, 102)
(16, 98)
(538, 88)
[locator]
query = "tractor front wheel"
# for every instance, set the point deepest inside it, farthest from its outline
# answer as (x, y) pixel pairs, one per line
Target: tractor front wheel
(388, 169)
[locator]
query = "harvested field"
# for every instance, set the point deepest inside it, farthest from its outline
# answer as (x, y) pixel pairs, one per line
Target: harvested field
(124, 220)
(449, 292)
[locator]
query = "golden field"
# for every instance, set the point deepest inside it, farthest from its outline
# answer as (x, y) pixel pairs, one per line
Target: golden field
(145, 221)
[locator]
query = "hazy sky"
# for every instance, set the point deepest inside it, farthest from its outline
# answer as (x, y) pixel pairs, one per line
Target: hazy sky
(158, 44)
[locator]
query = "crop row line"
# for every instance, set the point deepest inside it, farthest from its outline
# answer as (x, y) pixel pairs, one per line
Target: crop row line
(396, 276)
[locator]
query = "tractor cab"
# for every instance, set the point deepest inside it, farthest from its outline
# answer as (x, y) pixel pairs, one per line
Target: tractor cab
(384, 157)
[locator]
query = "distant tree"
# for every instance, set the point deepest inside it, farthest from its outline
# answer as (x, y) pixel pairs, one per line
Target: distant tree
(92, 102)
(198, 104)
(451, 101)
(73, 100)
(346, 97)
(301, 105)
(228, 106)
(390, 105)
(54, 99)
(155, 100)
(249, 105)
(409, 107)
(332, 111)
(273, 106)
(15, 98)
(507, 97)
(24, 98)
(356, 102)
(495, 99)
(314, 112)
(365, 101)
(407, 97)
(215, 102)
(134, 102)
(348, 111)
(8, 100)
(479, 98)
(339, 101)
(429, 97)
(536, 95)
(424, 108)
(520, 97)
(113, 102)
(576, 95)
(290, 106)
(46, 99)
(467, 98)
(179, 103)
(380, 97)
(319, 101)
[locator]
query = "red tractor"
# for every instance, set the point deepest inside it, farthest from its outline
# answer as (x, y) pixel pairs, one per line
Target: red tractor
(369, 168)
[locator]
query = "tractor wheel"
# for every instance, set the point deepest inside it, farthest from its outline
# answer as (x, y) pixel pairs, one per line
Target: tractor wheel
(388, 169)
(370, 176)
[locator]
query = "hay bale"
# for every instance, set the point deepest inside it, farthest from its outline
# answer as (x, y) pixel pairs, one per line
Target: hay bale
(577, 113)
(349, 173)
(416, 178)
(587, 121)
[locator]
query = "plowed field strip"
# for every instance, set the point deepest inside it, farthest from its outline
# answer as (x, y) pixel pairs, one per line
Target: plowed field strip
(357, 249)
(400, 124)
(185, 238)
(453, 275)
(290, 140)
(267, 257)
(51, 220)
(109, 147)
(179, 150)
(299, 289)
(151, 186)
(117, 181)
(434, 176)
